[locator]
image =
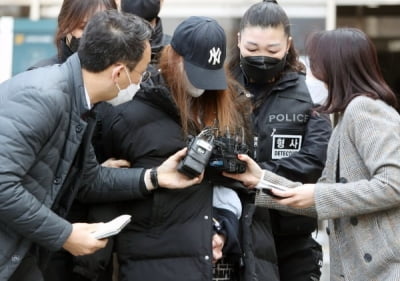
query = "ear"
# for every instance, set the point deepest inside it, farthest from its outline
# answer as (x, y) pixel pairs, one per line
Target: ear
(290, 40)
(116, 71)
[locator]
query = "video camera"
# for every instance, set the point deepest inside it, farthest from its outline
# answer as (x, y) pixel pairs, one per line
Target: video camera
(218, 152)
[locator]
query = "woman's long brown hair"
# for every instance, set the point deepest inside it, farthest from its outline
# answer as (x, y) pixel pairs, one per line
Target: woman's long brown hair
(217, 107)
(346, 60)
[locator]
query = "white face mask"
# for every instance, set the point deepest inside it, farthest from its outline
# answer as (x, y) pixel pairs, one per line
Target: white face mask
(193, 91)
(125, 95)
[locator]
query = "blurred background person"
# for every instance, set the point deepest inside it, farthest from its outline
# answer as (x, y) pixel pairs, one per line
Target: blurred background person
(149, 10)
(72, 19)
(290, 138)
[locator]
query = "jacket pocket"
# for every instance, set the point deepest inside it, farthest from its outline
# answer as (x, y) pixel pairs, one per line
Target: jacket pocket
(177, 206)
(157, 216)
(388, 229)
(8, 244)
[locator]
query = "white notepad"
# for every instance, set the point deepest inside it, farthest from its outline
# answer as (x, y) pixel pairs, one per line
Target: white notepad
(112, 227)
(267, 187)
(264, 184)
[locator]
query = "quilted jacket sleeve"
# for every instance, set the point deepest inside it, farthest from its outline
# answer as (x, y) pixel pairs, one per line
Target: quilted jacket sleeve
(27, 120)
(104, 184)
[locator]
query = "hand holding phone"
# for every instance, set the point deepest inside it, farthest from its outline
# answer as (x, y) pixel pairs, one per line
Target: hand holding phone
(267, 187)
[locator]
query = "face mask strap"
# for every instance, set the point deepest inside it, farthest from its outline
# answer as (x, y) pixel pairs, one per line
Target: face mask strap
(127, 73)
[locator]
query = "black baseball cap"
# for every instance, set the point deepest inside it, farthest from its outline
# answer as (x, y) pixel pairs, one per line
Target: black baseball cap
(201, 41)
(147, 9)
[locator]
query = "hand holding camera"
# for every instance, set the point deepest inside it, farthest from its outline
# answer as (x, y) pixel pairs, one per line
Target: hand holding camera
(199, 152)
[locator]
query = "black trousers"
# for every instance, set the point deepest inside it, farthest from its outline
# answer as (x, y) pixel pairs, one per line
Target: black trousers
(299, 258)
(28, 270)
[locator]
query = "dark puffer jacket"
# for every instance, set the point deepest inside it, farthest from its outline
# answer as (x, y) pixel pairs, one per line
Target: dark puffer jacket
(170, 236)
(47, 160)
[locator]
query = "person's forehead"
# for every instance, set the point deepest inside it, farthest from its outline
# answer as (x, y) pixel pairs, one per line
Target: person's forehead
(263, 35)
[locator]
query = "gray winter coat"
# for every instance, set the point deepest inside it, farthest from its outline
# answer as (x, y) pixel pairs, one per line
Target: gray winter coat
(363, 209)
(46, 160)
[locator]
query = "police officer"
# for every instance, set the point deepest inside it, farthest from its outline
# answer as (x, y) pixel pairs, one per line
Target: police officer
(290, 138)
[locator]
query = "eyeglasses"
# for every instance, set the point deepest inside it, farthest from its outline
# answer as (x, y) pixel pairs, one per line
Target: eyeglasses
(143, 76)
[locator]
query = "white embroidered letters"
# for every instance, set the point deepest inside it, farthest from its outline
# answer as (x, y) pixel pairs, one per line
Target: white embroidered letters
(215, 56)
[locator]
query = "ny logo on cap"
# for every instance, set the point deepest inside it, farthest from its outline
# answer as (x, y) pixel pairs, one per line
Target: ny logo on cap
(215, 56)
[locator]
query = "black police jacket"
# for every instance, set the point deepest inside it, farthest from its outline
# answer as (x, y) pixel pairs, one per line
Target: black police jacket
(292, 138)
(291, 141)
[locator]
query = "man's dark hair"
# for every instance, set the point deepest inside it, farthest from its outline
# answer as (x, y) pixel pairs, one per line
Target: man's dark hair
(112, 37)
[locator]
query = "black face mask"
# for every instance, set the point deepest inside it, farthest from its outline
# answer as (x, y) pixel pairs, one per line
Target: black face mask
(261, 69)
(74, 44)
